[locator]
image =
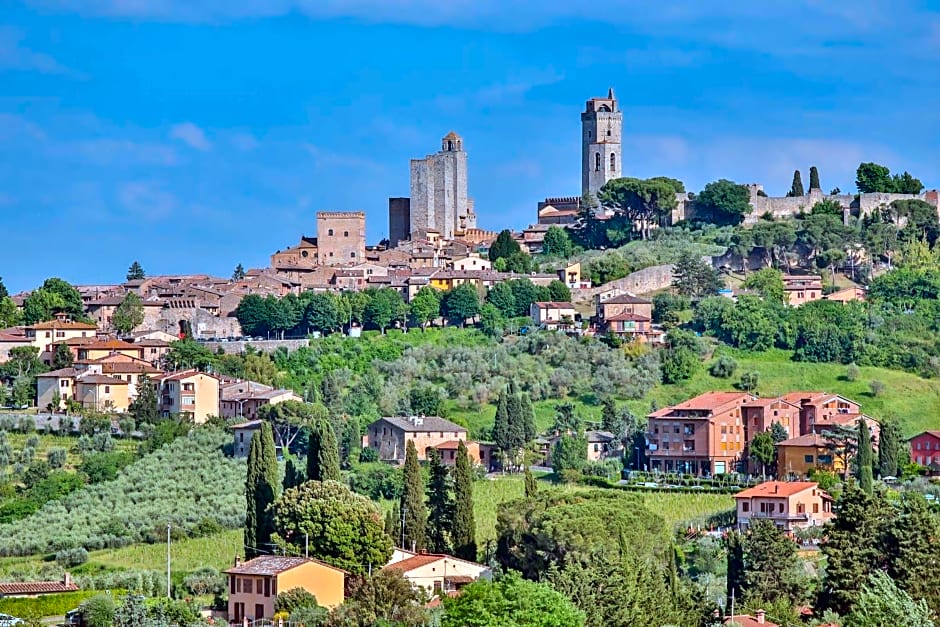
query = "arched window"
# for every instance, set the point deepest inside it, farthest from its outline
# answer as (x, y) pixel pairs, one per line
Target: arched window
(330, 232)
(597, 161)
(450, 145)
(613, 162)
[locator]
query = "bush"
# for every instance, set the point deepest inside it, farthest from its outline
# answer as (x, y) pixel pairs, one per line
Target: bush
(293, 599)
(56, 457)
(678, 364)
(46, 605)
(876, 388)
(852, 372)
(69, 558)
(377, 481)
(98, 611)
(205, 581)
(99, 467)
(723, 367)
(368, 455)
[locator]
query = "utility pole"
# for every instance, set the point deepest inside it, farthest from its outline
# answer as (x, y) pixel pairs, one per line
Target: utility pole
(307, 545)
(168, 583)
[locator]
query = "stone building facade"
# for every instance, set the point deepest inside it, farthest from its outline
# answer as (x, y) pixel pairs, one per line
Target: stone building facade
(439, 200)
(399, 220)
(341, 237)
(601, 152)
(852, 204)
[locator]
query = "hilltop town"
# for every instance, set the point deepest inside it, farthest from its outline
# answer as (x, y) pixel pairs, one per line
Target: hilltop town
(664, 406)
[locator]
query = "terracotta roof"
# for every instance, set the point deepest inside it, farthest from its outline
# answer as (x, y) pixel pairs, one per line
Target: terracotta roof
(627, 317)
(745, 620)
(36, 587)
(100, 379)
(184, 374)
(428, 423)
(553, 305)
(449, 444)
(626, 299)
(274, 565)
(810, 439)
(411, 563)
(764, 402)
(599, 436)
(778, 489)
(712, 400)
(67, 325)
(251, 424)
(113, 345)
(151, 343)
(129, 367)
(61, 372)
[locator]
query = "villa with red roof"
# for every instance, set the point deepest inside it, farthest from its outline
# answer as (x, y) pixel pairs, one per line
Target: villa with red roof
(436, 572)
(790, 505)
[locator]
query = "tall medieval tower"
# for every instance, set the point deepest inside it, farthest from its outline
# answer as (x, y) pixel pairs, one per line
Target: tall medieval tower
(439, 200)
(601, 127)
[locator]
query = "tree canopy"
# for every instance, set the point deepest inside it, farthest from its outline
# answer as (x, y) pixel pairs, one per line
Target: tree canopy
(512, 602)
(724, 202)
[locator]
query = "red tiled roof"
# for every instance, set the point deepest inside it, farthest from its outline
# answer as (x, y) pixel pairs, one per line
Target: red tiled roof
(274, 565)
(627, 317)
(712, 400)
(112, 345)
(626, 299)
(36, 587)
(745, 620)
(777, 488)
(61, 373)
(810, 439)
(64, 325)
(411, 563)
(553, 305)
(100, 379)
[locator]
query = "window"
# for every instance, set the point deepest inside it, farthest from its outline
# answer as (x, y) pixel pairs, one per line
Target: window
(107, 389)
(596, 447)
(800, 508)
(267, 586)
(780, 507)
(329, 232)
(808, 459)
(597, 167)
(241, 436)
(345, 233)
(246, 586)
(589, 134)
(745, 506)
(763, 508)
(353, 255)
(238, 584)
(927, 445)
(608, 132)
(48, 334)
(815, 508)
(613, 159)
(60, 333)
(918, 446)
(231, 584)
(675, 428)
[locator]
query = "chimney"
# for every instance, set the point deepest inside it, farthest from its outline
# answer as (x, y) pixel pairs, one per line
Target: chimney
(760, 617)
(776, 488)
(67, 580)
(238, 560)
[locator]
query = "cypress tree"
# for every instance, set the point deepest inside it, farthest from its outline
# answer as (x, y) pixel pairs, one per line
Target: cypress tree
(463, 530)
(814, 179)
(853, 546)
(913, 550)
(393, 523)
(313, 453)
(501, 430)
(864, 460)
(609, 415)
(531, 487)
(890, 450)
(796, 188)
(260, 491)
(734, 544)
(528, 417)
(329, 453)
(440, 504)
(412, 501)
(293, 476)
(352, 442)
(517, 439)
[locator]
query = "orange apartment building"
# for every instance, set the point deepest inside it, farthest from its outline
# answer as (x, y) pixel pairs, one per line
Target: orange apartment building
(701, 436)
(821, 410)
(802, 289)
(797, 456)
(790, 505)
(254, 585)
(189, 393)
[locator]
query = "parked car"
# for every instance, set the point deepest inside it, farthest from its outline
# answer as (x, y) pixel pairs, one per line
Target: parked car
(10, 621)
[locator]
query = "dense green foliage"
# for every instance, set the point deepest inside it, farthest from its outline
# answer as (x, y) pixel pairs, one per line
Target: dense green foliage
(413, 510)
(129, 314)
(440, 505)
(342, 528)
(463, 530)
(510, 601)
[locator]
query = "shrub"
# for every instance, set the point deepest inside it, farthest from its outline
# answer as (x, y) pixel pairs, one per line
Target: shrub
(205, 581)
(377, 481)
(368, 455)
(748, 381)
(876, 388)
(69, 558)
(723, 367)
(293, 599)
(27, 424)
(46, 605)
(852, 372)
(56, 457)
(98, 611)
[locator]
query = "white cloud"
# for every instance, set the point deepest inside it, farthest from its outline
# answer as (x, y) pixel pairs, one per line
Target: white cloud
(191, 135)
(15, 56)
(146, 200)
(245, 142)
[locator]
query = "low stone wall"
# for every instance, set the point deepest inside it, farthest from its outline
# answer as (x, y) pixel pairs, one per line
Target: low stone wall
(640, 282)
(265, 346)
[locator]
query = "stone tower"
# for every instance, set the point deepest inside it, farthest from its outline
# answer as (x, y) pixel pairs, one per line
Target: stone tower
(439, 200)
(601, 129)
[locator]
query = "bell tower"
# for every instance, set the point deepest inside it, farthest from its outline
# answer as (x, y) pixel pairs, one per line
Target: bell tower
(601, 155)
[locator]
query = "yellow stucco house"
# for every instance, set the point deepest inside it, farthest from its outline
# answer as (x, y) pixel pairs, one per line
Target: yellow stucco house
(254, 585)
(189, 393)
(796, 456)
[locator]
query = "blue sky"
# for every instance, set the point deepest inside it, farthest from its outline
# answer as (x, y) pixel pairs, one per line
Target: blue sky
(197, 134)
